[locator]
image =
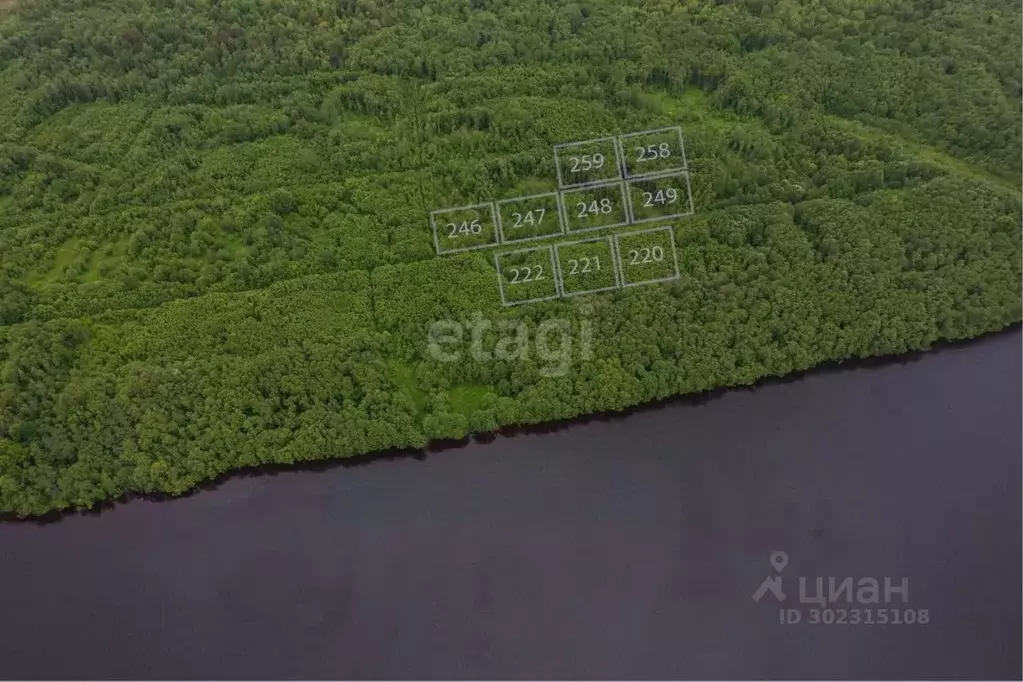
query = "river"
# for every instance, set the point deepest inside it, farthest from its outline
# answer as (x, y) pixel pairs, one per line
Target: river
(626, 547)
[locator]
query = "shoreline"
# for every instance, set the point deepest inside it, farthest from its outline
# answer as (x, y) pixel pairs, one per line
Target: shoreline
(511, 431)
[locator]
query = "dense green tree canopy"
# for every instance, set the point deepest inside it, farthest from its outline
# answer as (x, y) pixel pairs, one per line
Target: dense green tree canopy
(215, 252)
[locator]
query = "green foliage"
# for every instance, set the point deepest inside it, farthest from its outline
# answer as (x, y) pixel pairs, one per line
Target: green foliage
(215, 253)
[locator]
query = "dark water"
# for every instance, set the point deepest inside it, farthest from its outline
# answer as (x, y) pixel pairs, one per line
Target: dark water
(615, 549)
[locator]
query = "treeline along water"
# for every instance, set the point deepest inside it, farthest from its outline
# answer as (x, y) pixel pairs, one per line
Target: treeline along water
(620, 548)
(215, 245)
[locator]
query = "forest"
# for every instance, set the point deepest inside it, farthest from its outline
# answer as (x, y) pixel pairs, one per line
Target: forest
(215, 249)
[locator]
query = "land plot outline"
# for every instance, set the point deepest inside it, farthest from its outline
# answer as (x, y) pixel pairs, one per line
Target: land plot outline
(586, 266)
(527, 223)
(530, 271)
(587, 162)
(659, 197)
(475, 225)
(642, 256)
(651, 152)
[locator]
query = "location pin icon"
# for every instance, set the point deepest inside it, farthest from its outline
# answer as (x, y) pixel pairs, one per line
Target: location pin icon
(779, 560)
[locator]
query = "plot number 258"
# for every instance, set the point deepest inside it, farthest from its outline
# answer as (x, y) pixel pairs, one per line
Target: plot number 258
(651, 152)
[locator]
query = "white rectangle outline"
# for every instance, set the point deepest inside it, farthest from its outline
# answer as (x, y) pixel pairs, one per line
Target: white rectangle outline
(557, 211)
(625, 200)
(625, 166)
(563, 145)
(561, 275)
(628, 198)
(621, 263)
(554, 271)
(493, 220)
(617, 257)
